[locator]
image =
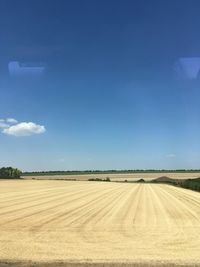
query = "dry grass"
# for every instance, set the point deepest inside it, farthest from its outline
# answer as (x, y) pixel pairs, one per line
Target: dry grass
(57, 223)
(119, 176)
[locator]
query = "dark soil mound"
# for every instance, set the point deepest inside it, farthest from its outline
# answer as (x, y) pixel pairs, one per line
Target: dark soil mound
(141, 181)
(163, 179)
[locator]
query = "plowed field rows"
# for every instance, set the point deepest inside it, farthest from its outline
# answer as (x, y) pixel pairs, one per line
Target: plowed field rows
(95, 222)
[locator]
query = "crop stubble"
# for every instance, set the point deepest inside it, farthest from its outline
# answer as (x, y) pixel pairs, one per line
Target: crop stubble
(96, 222)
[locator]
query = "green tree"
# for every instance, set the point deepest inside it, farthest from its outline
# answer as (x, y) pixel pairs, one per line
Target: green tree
(9, 173)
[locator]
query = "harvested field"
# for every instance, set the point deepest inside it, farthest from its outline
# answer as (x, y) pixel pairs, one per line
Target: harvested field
(59, 223)
(119, 176)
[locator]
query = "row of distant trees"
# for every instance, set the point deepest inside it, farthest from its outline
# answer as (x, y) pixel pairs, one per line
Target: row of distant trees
(107, 172)
(9, 173)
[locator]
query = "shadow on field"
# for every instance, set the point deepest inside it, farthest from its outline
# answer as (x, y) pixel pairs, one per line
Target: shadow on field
(87, 264)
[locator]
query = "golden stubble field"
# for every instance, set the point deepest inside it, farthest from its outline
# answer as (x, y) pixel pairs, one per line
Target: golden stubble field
(65, 223)
(118, 176)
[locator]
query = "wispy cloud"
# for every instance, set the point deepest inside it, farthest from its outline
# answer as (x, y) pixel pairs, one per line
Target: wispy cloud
(187, 68)
(11, 121)
(11, 126)
(61, 160)
(171, 155)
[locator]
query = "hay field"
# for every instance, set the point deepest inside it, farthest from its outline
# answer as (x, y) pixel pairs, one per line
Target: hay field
(119, 176)
(98, 224)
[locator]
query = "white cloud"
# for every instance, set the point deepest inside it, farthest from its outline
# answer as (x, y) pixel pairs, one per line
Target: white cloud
(24, 129)
(11, 121)
(171, 156)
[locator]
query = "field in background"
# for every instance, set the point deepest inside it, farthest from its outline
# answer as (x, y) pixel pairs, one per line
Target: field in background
(119, 176)
(94, 222)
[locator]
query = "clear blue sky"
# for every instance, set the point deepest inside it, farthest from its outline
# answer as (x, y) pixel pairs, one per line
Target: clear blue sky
(120, 87)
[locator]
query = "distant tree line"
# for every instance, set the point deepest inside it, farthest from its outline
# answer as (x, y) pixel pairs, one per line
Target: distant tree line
(9, 173)
(76, 172)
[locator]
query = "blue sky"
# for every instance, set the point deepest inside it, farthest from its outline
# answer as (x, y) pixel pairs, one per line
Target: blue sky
(104, 84)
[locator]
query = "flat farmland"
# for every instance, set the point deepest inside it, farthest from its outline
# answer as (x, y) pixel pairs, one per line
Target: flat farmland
(118, 176)
(66, 223)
